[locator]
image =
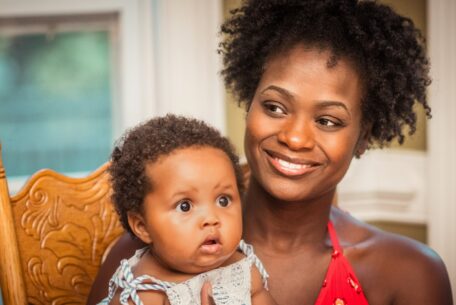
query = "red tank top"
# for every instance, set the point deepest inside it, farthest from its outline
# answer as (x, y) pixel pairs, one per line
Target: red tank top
(340, 287)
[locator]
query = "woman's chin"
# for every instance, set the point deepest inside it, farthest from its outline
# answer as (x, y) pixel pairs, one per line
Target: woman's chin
(287, 194)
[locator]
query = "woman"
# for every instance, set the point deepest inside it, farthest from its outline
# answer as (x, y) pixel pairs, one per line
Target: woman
(322, 81)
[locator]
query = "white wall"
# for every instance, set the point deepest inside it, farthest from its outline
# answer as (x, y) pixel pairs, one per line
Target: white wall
(441, 175)
(186, 60)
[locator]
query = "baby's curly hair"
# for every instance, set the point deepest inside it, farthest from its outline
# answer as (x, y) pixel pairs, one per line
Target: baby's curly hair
(385, 48)
(144, 144)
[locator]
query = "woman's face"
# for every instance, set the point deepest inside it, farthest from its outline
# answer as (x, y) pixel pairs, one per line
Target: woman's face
(304, 124)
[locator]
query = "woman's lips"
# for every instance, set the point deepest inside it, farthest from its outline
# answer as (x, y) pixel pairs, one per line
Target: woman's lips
(291, 167)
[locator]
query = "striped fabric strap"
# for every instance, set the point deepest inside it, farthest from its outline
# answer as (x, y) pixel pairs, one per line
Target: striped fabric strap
(124, 279)
(248, 251)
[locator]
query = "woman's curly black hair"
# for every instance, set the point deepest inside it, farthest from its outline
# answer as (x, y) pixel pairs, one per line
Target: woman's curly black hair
(386, 49)
(144, 144)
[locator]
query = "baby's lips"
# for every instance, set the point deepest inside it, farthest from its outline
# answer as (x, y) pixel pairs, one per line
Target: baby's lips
(211, 248)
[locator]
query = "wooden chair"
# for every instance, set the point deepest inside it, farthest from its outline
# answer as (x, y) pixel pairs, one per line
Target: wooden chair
(54, 234)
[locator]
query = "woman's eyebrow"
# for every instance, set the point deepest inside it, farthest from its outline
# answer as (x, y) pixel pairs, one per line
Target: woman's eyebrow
(280, 90)
(326, 104)
(329, 104)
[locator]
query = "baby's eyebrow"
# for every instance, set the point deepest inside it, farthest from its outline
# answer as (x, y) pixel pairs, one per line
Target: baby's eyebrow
(222, 185)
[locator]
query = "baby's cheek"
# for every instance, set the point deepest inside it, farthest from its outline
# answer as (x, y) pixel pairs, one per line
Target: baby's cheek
(234, 232)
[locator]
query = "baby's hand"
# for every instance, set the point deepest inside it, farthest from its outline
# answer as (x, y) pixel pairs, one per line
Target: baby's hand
(206, 294)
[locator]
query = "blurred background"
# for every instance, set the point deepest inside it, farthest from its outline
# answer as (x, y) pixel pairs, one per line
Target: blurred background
(74, 75)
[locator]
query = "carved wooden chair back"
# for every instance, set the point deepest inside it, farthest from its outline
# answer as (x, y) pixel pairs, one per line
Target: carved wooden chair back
(54, 234)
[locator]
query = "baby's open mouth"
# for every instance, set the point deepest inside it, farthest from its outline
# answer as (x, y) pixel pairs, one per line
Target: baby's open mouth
(210, 242)
(211, 246)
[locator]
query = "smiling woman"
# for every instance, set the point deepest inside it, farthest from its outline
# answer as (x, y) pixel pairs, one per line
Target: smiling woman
(322, 81)
(304, 123)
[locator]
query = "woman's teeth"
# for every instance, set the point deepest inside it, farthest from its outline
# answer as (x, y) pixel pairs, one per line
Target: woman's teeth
(293, 166)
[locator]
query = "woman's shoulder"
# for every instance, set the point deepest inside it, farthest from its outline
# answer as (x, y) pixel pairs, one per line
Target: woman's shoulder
(357, 235)
(392, 266)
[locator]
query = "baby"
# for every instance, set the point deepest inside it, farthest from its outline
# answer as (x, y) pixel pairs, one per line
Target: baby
(176, 184)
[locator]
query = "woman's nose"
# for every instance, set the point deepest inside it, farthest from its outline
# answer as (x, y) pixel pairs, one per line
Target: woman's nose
(297, 136)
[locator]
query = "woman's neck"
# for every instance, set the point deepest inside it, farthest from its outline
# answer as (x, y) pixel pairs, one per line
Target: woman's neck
(285, 226)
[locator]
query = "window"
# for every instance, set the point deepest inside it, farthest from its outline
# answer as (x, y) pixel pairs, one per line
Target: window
(155, 62)
(56, 92)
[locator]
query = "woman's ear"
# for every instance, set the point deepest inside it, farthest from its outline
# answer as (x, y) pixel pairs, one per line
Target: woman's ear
(363, 141)
(139, 227)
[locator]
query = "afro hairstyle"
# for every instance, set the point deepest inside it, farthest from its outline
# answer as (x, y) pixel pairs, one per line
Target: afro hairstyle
(385, 48)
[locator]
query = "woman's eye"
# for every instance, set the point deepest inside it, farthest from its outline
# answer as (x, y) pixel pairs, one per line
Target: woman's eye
(184, 206)
(223, 201)
(327, 122)
(274, 108)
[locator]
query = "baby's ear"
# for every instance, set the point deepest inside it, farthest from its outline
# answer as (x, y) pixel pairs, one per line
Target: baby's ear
(139, 227)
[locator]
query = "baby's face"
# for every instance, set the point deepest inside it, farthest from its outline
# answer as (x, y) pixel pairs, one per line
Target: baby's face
(193, 215)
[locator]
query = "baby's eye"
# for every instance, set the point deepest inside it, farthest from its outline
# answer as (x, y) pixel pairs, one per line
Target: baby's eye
(184, 206)
(223, 201)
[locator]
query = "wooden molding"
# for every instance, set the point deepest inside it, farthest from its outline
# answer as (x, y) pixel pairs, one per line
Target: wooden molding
(386, 185)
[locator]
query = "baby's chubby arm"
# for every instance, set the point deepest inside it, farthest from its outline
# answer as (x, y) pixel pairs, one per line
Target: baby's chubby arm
(260, 295)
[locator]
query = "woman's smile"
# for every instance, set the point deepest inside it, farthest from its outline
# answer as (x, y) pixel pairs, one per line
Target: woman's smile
(291, 166)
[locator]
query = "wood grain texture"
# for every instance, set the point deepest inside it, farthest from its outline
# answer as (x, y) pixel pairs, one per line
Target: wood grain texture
(55, 232)
(11, 278)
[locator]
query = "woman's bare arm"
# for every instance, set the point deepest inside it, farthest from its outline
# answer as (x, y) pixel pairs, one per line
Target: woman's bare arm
(124, 248)
(260, 295)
